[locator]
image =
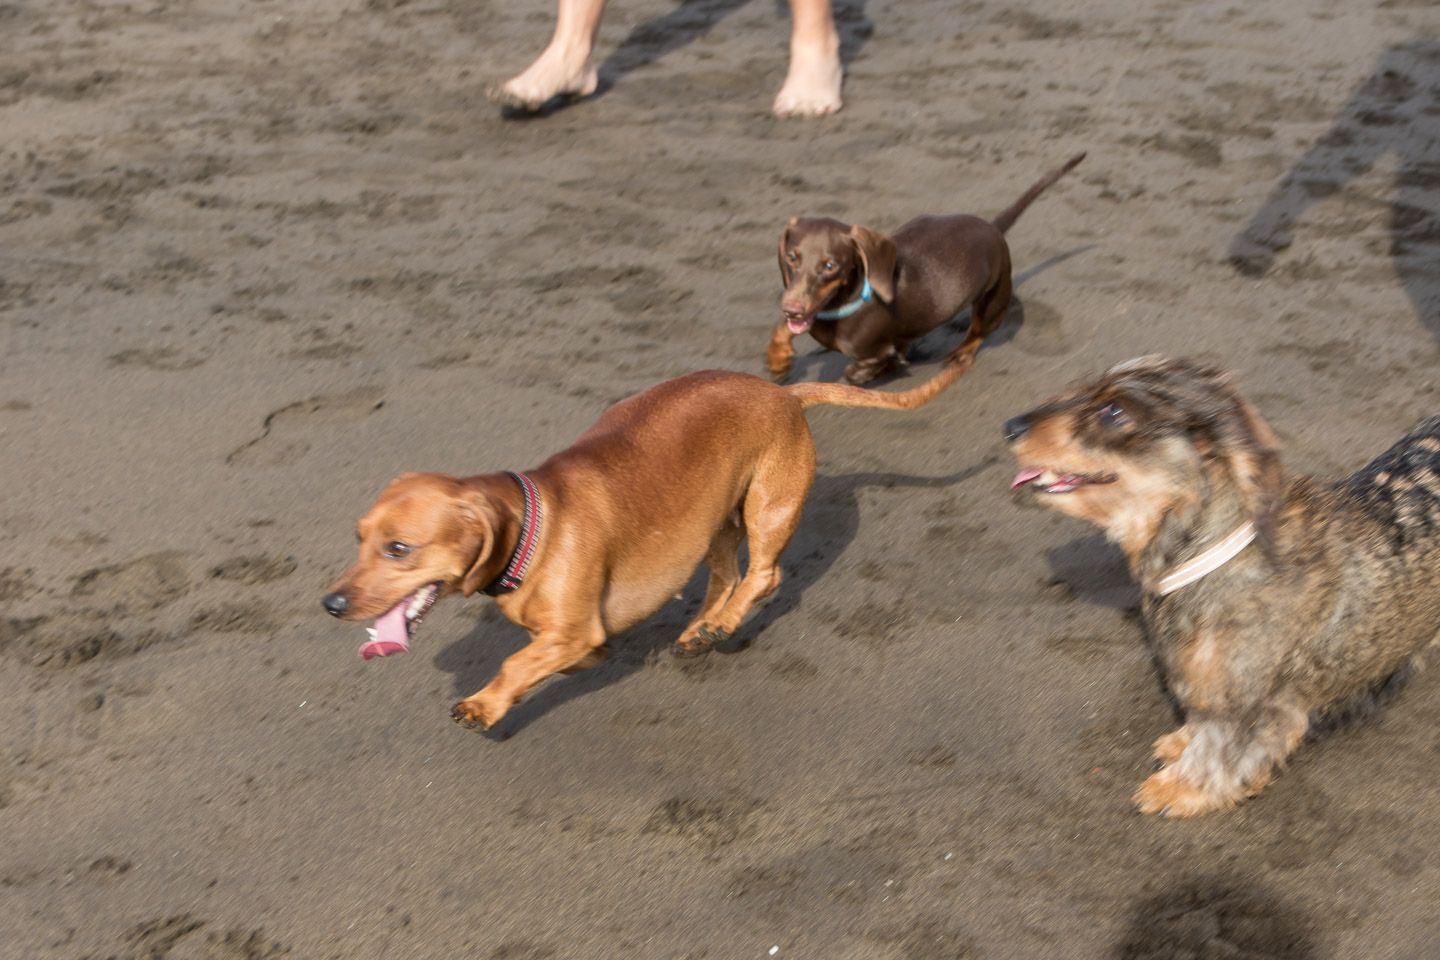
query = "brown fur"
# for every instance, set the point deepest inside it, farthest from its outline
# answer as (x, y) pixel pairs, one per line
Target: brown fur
(1337, 594)
(665, 479)
(925, 275)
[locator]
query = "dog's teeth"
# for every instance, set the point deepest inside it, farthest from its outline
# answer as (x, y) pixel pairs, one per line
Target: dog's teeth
(371, 632)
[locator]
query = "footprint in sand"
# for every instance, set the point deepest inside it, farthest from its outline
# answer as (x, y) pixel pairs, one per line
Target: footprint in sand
(254, 569)
(139, 585)
(282, 441)
(158, 358)
(169, 938)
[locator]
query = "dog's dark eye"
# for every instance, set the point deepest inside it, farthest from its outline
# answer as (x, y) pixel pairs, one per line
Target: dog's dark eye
(396, 550)
(830, 265)
(793, 257)
(1112, 416)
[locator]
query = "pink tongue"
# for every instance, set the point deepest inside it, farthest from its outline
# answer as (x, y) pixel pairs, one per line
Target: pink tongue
(1025, 476)
(392, 635)
(798, 326)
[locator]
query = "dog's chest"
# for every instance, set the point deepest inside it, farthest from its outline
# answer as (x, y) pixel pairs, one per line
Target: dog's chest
(1201, 661)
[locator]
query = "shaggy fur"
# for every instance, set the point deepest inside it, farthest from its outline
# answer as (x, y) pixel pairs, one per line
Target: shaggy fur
(1337, 594)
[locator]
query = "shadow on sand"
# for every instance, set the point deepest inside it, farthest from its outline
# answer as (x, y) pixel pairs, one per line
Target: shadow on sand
(1395, 112)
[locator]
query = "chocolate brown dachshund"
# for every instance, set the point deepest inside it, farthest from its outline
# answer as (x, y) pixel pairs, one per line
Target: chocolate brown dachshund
(871, 296)
(600, 535)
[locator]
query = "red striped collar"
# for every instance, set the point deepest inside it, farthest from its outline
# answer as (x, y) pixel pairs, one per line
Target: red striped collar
(514, 572)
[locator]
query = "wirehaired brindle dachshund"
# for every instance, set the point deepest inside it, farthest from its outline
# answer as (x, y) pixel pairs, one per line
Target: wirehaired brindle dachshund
(871, 296)
(1271, 601)
(600, 535)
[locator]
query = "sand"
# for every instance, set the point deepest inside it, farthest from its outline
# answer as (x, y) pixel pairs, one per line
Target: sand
(258, 257)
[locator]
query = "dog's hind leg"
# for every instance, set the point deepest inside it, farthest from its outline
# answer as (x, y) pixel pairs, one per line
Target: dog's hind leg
(771, 512)
(723, 560)
(550, 651)
(1226, 759)
(987, 312)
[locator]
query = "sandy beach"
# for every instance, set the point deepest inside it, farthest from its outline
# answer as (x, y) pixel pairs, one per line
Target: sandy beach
(257, 258)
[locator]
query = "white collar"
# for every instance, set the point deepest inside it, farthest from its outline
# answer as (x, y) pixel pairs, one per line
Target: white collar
(1207, 562)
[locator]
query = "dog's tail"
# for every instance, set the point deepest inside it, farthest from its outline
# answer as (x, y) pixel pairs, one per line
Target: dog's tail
(1007, 217)
(843, 395)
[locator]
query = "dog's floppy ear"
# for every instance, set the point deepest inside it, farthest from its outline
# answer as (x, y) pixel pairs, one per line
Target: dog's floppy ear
(1251, 451)
(787, 274)
(481, 527)
(877, 252)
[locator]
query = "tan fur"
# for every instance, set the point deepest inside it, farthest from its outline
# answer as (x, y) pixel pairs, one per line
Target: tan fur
(679, 474)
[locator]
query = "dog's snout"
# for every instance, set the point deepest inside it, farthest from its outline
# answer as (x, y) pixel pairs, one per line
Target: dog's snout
(1016, 427)
(335, 604)
(792, 308)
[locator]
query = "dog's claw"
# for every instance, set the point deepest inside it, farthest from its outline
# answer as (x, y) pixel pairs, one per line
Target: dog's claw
(468, 716)
(712, 637)
(703, 642)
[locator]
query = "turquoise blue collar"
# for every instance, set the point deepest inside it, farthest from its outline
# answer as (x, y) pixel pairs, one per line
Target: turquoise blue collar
(851, 308)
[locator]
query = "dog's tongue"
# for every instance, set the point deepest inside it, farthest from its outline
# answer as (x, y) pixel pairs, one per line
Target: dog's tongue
(1025, 476)
(799, 326)
(392, 634)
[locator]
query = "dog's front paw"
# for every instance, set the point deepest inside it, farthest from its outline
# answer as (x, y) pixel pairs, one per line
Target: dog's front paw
(472, 713)
(1171, 795)
(1169, 747)
(779, 362)
(700, 641)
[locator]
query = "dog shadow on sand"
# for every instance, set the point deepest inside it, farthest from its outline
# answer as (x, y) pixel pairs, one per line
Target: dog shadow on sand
(1093, 570)
(1214, 917)
(829, 524)
(1395, 113)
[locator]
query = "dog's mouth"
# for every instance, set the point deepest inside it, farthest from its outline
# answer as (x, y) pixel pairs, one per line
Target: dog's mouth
(798, 323)
(391, 633)
(1042, 480)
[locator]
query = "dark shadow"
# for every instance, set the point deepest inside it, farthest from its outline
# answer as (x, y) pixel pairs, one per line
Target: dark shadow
(1357, 711)
(1025, 276)
(1215, 919)
(688, 22)
(832, 517)
(653, 39)
(1093, 569)
(1394, 112)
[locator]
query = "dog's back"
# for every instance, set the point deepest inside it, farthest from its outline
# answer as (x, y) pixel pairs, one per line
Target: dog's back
(1401, 489)
(1383, 534)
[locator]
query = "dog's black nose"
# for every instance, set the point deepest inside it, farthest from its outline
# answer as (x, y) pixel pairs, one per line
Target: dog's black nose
(335, 604)
(1015, 428)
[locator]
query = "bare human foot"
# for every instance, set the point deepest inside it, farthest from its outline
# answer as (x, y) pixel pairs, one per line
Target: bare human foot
(558, 72)
(563, 70)
(812, 87)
